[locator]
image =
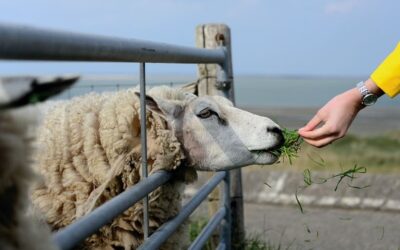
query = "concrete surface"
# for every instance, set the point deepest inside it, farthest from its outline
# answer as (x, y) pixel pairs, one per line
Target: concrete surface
(323, 228)
(350, 218)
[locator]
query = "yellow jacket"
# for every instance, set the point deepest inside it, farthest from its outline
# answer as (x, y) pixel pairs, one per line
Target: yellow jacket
(387, 75)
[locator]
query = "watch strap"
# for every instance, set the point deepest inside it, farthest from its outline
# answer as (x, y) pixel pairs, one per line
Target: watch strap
(363, 90)
(367, 98)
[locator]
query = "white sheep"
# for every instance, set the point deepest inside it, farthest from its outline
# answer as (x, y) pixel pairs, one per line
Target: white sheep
(19, 228)
(90, 152)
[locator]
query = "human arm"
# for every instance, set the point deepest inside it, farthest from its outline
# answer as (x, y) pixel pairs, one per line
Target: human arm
(334, 119)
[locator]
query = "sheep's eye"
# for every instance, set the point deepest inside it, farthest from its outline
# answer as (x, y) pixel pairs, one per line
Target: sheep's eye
(205, 113)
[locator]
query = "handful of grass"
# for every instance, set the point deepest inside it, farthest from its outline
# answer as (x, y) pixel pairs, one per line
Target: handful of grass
(292, 144)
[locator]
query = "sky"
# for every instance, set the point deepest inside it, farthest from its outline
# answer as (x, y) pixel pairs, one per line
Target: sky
(287, 37)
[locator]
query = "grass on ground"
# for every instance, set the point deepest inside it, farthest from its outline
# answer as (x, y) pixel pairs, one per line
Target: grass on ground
(379, 154)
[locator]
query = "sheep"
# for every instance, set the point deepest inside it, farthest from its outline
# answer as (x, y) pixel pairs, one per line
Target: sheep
(19, 227)
(89, 151)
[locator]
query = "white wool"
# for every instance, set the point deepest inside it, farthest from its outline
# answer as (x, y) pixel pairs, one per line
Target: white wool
(89, 151)
(18, 228)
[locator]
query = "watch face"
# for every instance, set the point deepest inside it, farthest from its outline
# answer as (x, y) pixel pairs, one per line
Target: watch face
(369, 99)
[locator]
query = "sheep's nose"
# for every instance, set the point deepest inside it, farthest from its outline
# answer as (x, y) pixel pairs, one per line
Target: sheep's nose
(277, 132)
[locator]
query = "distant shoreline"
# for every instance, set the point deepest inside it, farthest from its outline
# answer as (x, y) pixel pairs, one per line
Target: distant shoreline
(291, 103)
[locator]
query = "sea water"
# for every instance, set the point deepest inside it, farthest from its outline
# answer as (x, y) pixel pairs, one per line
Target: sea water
(250, 90)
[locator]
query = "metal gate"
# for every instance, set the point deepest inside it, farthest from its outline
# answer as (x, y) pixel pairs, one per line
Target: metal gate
(27, 43)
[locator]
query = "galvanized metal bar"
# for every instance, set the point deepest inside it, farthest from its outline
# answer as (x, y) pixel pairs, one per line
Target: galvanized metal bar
(208, 230)
(29, 43)
(143, 143)
(73, 234)
(225, 235)
(167, 229)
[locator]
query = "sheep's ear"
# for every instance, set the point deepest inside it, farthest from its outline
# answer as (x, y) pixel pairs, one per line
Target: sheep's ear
(166, 109)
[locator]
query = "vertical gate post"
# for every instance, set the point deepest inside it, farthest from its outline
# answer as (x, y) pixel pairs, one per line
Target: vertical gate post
(143, 142)
(217, 79)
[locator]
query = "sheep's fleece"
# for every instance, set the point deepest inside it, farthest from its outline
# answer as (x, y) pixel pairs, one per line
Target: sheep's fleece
(89, 151)
(19, 229)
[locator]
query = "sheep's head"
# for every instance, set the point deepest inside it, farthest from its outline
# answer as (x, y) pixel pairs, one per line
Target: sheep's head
(215, 135)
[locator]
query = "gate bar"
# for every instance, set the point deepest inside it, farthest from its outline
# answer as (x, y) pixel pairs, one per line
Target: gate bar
(208, 230)
(167, 229)
(73, 234)
(29, 43)
(226, 227)
(143, 143)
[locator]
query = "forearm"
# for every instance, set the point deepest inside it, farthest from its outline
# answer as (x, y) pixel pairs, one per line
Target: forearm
(354, 95)
(373, 87)
(333, 120)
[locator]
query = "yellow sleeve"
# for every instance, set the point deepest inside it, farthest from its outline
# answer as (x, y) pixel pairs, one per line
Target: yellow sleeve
(387, 75)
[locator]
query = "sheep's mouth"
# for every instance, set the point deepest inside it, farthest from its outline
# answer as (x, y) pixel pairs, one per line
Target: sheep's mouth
(275, 150)
(266, 156)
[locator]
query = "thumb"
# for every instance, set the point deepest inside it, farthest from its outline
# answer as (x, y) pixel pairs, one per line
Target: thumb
(312, 124)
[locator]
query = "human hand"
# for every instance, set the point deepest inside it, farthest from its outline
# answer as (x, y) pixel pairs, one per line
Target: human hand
(333, 120)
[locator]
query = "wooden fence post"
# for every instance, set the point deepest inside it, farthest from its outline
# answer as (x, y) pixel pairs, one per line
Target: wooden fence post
(212, 36)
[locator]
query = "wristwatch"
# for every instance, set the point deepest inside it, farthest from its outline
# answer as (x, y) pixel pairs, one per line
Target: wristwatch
(368, 98)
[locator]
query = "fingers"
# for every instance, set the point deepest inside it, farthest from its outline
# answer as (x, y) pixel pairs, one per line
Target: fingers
(310, 131)
(321, 132)
(318, 137)
(319, 143)
(312, 124)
